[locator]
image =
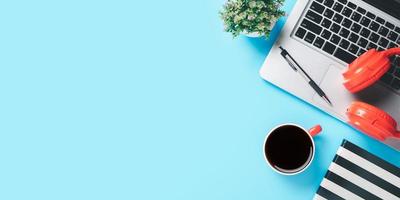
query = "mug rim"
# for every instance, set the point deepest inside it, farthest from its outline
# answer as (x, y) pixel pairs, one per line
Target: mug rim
(289, 173)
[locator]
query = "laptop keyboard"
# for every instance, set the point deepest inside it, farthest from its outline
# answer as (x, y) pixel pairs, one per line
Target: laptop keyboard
(345, 31)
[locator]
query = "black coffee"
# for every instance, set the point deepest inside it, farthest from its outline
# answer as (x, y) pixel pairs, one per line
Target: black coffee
(289, 149)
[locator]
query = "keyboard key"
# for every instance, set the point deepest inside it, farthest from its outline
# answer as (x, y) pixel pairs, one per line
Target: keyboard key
(392, 45)
(383, 42)
(383, 31)
(337, 7)
(344, 55)
(374, 37)
(355, 28)
(335, 28)
(365, 32)
(335, 39)
(387, 79)
(352, 5)
(309, 37)
(328, 3)
(329, 47)
(300, 32)
(344, 44)
(319, 42)
(396, 84)
(393, 36)
(370, 15)
(353, 37)
(361, 10)
(360, 52)
(319, 1)
(365, 21)
(326, 23)
(371, 46)
(311, 26)
(397, 29)
(353, 48)
(326, 34)
(380, 20)
(317, 7)
(328, 13)
(392, 68)
(374, 26)
(356, 16)
(347, 12)
(397, 73)
(380, 49)
(346, 23)
(389, 25)
(338, 18)
(343, 1)
(344, 32)
(396, 61)
(362, 42)
(313, 16)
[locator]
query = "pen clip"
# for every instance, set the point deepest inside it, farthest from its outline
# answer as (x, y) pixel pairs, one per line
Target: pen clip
(286, 56)
(290, 64)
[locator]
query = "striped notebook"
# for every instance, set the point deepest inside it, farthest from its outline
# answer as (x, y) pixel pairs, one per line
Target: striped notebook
(357, 174)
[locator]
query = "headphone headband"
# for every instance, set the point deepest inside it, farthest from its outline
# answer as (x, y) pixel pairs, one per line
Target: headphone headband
(367, 69)
(392, 51)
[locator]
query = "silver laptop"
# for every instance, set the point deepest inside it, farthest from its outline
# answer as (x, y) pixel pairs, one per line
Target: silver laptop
(323, 36)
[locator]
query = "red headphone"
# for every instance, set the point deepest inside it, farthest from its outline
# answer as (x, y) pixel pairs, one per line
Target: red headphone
(361, 73)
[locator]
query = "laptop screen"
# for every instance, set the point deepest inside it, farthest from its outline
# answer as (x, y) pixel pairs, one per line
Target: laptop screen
(391, 7)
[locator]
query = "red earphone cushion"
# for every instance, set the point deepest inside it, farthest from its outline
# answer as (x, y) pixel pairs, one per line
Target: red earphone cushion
(366, 70)
(371, 120)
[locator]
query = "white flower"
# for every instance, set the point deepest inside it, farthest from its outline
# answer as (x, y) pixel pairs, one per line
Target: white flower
(252, 4)
(251, 17)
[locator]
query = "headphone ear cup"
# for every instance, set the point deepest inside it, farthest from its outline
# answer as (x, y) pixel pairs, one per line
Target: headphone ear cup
(371, 120)
(365, 70)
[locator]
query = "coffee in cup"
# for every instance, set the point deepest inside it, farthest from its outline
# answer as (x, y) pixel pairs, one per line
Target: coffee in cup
(289, 149)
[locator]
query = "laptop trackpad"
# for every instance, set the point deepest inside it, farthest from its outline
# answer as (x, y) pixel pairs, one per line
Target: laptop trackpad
(332, 86)
(377, 95)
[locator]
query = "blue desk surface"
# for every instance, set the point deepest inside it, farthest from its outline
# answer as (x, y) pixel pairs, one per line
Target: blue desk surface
(144, 100)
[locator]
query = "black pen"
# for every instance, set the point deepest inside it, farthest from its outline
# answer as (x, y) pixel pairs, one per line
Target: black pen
(295, 66)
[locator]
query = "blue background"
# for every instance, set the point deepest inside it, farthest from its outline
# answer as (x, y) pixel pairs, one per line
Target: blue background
(144, 100)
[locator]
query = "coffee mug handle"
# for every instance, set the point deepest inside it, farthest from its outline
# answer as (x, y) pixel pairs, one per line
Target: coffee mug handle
(315, 130)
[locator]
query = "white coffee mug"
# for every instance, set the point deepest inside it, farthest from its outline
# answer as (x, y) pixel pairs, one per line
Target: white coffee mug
(289, 148)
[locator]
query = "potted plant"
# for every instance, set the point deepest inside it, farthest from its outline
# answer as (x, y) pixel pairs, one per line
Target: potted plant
(253, 18)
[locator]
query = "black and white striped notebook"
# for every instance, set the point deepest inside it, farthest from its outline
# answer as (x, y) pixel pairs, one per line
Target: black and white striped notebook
(357, 174)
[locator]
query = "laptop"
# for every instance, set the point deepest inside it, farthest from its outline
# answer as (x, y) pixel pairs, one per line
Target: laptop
(324, 36)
